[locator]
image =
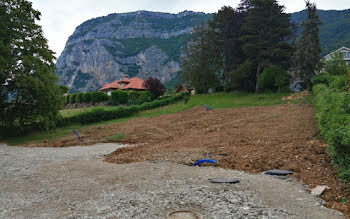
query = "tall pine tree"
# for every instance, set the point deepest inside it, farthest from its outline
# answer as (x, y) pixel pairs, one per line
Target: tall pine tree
(308, 54)
(202, 62)
(265, 30)
(227, 24)
(29, 93)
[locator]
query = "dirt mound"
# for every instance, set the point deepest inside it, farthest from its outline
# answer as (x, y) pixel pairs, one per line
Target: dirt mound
(297, 96)
(252, 139)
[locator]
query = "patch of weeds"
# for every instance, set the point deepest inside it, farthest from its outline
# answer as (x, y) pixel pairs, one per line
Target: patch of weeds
(117, 137)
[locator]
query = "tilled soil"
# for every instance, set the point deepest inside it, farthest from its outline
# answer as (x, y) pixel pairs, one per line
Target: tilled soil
(252, 139)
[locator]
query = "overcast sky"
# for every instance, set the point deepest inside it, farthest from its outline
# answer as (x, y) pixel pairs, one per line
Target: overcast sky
(60, 17)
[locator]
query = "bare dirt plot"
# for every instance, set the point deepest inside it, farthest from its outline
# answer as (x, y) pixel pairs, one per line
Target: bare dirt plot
(251, 139)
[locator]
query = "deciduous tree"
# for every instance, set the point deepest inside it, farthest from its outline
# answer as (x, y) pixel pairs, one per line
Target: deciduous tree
(155, 86)
(29, 93)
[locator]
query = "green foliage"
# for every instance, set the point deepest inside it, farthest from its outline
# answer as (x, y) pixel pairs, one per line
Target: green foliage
(264, 32)
(322, 78)
(102, 114)
(97, 97)
(86, 98)
(29, 95)
(333, 116)
(336, 65)
(202, 60)
(228, 25)
(66, 99)
(338, 82)
(72, 98)
(145, 96)
(133, 97)
(308, 54)
(120, 96)
(79, 98)
(117, 137)
(334, 30)
(274, 79)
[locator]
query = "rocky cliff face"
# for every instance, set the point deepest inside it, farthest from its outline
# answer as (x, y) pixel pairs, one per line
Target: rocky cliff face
(143, 44)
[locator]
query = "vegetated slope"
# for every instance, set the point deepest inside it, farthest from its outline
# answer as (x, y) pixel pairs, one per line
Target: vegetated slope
(140, 43)
(149, 44)
(335, 28)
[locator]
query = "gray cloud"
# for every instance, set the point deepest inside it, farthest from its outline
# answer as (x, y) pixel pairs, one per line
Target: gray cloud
(60, 18)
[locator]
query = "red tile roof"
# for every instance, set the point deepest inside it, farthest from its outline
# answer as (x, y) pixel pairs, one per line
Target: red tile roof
(132, 84)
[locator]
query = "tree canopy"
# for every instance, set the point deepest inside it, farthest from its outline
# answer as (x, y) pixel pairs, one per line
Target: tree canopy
(308, 54)
(29, 95)
(202, 62)
(265, 30)
(155, 86)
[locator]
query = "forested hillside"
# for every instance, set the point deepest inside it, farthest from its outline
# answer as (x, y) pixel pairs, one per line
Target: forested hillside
(335, 28)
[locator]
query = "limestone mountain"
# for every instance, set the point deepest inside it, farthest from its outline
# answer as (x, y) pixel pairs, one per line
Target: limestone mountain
(144, 44)
(149, 44)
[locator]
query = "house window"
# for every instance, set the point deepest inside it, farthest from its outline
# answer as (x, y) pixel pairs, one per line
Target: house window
(346, 55)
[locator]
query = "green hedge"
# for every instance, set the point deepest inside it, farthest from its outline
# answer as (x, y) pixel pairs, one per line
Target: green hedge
(98, 96)
(86, 97)
(72, 98)
(120, 96)
(145, 96)
(102, 114)
(333, 116)
(66, 99)
(79, 98)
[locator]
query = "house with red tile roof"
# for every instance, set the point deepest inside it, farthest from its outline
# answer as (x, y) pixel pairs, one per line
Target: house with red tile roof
(127, 83)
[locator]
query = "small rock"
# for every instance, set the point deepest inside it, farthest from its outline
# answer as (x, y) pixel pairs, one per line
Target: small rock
(318, 190)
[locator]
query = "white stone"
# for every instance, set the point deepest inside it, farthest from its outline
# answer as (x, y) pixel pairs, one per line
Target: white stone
(318, 190)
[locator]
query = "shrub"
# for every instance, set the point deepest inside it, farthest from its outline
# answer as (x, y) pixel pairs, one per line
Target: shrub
(336, 65)
(332, 111)
(86, 97)
(120, 96)
(133, 95)
(66, 99)
(338, 82)
(322, 78)
(79, 98)
(72, 98)
(145, 96)
(274, 79)
(155, 86)
(98, 96)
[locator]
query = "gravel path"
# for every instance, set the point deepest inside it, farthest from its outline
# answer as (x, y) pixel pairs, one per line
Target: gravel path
(75, 182)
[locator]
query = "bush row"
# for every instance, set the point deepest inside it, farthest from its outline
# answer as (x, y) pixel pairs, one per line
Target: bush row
(333, 115)
(103, 114)
(94, 97)
(117, 97)
(131, 97)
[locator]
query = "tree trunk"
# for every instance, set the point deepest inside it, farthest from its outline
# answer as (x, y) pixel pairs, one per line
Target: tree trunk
(258, 70)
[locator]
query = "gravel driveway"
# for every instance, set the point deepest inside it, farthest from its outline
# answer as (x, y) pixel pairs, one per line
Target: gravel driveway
(75, 182)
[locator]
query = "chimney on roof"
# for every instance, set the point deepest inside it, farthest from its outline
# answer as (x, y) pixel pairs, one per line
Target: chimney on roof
(126, 76)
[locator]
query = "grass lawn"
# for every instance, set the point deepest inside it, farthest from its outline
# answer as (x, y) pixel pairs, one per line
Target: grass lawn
(215, 101)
